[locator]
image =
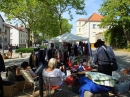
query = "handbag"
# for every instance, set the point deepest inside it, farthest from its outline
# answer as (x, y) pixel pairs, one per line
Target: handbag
(114, 65)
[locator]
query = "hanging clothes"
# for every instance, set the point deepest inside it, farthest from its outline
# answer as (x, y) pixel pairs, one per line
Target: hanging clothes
(33, 60)
(51, 53)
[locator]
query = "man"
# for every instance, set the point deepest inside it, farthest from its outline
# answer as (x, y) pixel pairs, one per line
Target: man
(101, 59)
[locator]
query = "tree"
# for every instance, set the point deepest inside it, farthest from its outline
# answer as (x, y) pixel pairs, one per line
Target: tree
(50, 27)
(116, 13)
(115, 34)
(27, 11)
(61, 6)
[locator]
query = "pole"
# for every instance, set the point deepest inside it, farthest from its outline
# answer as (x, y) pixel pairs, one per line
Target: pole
(2, 45)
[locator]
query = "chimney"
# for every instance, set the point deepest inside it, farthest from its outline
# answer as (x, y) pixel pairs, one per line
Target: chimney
(16, 25)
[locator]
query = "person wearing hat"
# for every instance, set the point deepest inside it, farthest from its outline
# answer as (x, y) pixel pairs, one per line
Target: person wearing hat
(101, 59)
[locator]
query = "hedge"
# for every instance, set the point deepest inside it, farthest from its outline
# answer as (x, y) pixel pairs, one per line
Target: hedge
(25, 50)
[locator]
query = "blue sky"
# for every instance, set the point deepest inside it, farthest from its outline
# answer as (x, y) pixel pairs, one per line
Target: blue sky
(91, 7)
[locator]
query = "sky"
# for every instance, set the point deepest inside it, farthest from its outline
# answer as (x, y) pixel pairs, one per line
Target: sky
(90, 7)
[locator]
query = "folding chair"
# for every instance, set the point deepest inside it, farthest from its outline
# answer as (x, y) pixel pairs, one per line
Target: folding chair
(28, 78)
(49, 84)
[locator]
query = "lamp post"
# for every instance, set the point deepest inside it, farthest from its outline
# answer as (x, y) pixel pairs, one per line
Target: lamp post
(3, 40)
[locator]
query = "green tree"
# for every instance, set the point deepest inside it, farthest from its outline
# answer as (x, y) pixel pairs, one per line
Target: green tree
(115, 34)
(117, 12)
(26, 11)
(61, 6)
(50, 27)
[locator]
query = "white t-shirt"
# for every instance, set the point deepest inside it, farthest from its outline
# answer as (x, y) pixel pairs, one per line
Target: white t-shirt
(55, 73)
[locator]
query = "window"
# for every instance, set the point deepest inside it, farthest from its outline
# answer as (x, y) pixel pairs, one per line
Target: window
(79, 29)
(11, 34)
(5, 32)
(21, 35)
(94, 26)
(79, 23)
(94, 34)
(0, 30)
(21, 39)
(11, 41)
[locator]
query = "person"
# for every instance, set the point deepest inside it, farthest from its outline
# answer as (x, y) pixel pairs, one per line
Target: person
(52, 71)
(101, 59)
(9, 51)
(2, 69)
(25, 66)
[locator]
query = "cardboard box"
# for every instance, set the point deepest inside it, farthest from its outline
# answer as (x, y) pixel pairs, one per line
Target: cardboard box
(21, 85)
(11, 90)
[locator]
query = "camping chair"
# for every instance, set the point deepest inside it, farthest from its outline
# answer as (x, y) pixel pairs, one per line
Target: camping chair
(28, 78)
(48, 81)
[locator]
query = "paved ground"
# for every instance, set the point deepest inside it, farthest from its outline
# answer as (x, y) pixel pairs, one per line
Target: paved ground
(123, 60)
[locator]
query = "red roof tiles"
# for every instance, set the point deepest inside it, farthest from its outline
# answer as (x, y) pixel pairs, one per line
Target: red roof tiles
(95, 17)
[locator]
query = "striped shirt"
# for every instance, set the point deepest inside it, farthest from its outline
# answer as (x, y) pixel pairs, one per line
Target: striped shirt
(100, 56)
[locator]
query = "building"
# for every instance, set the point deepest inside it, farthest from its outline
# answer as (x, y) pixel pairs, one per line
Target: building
(89, 28)
(18, 36)
(4, 28)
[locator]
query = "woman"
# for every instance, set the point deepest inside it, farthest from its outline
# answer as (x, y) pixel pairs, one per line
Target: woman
(101, 59)
(25, 66)
(52, 71)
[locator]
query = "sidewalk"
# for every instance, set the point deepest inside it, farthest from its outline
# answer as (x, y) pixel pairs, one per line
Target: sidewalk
(15, 56)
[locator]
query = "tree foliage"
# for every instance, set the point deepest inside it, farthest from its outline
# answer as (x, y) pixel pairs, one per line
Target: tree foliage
(61, 6)
(35, 16)
(115, 37)
(117, 13)
(26, 11)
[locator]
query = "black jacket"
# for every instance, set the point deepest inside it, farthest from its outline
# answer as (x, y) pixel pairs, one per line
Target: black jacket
(2, 64)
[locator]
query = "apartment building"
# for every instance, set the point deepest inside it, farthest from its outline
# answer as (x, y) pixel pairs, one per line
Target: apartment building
(4, 29)
(18, 36)
(89, 28)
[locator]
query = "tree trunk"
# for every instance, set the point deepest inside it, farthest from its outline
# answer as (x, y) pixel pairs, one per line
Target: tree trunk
(28, 40)
(60, 25)
(126, 36)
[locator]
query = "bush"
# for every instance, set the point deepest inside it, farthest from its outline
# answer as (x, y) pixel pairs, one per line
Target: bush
(25, 50)
(42, 46)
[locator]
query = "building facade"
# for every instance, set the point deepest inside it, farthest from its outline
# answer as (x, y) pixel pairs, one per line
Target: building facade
(18, 36)
(4, 28)
(90, 28)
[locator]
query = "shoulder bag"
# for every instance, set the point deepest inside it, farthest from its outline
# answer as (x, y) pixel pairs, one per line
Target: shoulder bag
(114, 65)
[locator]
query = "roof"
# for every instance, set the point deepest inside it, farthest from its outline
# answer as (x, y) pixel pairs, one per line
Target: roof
(2, 18)
(7, 25)
(95, 17)
(21, 28)
(82, 19)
